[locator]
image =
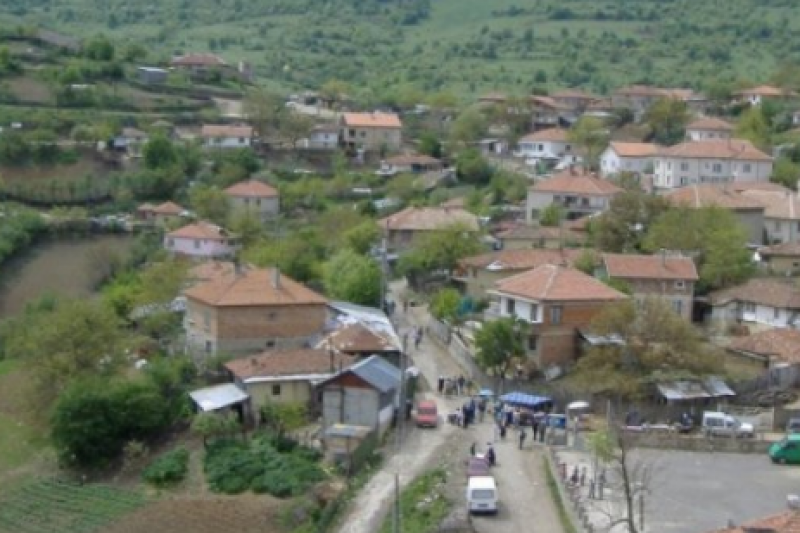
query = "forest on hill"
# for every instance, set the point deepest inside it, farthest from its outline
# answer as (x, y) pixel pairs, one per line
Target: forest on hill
(461, 46)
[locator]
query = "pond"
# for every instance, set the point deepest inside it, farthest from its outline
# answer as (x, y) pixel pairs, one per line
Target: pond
(67, 266)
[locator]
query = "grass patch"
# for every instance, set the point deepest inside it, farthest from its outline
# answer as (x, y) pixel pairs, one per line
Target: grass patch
(20, 437)
(423, 505)
(555, 494)
(47, 506)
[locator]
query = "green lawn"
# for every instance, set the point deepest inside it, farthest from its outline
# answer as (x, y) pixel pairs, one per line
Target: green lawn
(20, 438)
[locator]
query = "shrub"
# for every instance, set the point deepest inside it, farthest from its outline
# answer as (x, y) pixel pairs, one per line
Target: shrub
(168, 469)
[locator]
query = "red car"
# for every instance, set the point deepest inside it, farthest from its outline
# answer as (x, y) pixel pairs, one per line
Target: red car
(427, 414)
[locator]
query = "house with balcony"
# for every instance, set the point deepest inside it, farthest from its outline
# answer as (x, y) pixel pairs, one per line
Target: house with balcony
(221, 136)
(635, 158)
(379, 132)
(255, 197)
(762, 303)
(556, 301)
(401, 228)
(666, 276)
(709, 129)
(639, 98)
(550, 145)
(249, 310)
(761, 94)
(579, 192)
(548, 113)
(711, 161)
(202, 240)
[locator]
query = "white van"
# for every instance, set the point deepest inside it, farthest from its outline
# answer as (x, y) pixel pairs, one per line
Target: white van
(482, 494)
(717, 424)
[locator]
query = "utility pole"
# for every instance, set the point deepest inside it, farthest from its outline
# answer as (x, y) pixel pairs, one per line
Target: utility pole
(397, 522)
(383, 274)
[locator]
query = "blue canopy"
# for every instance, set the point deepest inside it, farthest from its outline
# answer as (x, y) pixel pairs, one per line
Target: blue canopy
(486, 393)
(525, 400)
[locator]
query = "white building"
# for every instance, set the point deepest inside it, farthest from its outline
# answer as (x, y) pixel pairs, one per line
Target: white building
(256, 197)
(717, 161)
(224, 136)
(637, 158)
(322, 138)
(579, 193)
(709, 128)
(770, 302)
(549, 144)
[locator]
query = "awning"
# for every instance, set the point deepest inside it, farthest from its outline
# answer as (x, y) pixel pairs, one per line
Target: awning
(218, 397)
(522, 399)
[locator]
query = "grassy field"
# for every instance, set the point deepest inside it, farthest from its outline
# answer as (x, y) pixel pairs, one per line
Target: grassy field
(21, 434)
(463, 46)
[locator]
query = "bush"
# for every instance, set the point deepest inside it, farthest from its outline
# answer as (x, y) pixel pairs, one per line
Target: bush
(168, 469)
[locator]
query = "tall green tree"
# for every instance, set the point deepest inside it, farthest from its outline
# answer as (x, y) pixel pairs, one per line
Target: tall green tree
(159, 152)
(440, 250)
(353, 278)
(468, 127)
(592, 136)
(667, 119)
(754, 127)
(210, 203)
(623, 227)
(786, 172)
(499, 343)
(445, 304)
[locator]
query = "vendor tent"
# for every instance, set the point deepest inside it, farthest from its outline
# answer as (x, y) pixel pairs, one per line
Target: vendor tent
(521, 399)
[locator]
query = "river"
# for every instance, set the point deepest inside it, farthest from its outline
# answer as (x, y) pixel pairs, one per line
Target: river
(66, 266)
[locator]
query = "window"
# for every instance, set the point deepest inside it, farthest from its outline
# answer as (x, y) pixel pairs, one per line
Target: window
(568, 148)
(206, 318)
(677, 305)
(716, 168)
(534, 315)
(746, 168)
(171, 243)
(685, 167)
(749, 307)
(196, 244)
(363, 134)
(777, 226)
(258, 202)
(510, 306)
(272, 315)
(555, 314)
(533, 343)
(352, 133)
(776, 313)
(680, 285)
(246, 201)
(270, 343)
(540, 147)
(241, 140)
(276, 390)
(208, 346)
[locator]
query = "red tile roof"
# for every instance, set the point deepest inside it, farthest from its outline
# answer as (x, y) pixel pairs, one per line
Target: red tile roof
(253, 287)
(706, 195)
(576, 181)
(357, 338)
(556, 283)
(780, 343)
(284, 363)
(168, 208)
(787, 249)
(522, 259)
(214, 131)
(657, 267)
(372, 120)
(736, 149)
(428, 219)
(573, 93)
(200, 230)
(252, 189)
(550, 134)
(526, 232)
(710, 123)
(626, 149)
(786, 522)
(198, 60)
(765, 291)
(764, 90)
(785, 207)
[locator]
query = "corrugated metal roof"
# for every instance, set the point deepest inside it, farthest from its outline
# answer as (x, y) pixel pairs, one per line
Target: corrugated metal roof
(712, 387)
(218, 396)
(346, 430)
(378, 372)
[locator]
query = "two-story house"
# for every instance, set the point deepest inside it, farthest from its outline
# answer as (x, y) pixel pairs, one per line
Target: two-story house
(224, 136)
(164, 215)
(251, 310)
(781, 217)
(768, 348)
(580, 193)
(712, 161)
(760, 302)
(478, 274)
(639, 98)
(547, 113)
(372, 131)
(708, 129)
(322, 137)
(556, 301)
(668, 277)
(401, 228)
(550, 144)
(762, 93)
(202, 240)
(636, 158)
(749, 211)
(256, 197)
(574, 99)
(781, 258)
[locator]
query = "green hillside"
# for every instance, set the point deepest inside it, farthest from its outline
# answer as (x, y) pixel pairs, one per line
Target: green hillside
(462, 46)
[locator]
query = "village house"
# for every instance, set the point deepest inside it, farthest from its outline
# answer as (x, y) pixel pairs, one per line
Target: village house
(552, 144)
(251, 310)
(286, 376)
(379, 132)
(547, 113)
(131, 141)
(255, 197)
(573, 99)
(410, 163)
(223, 136)
(556, 301)
(639, 98)
(163, 215)
(321, 137)
(401, 228)
(759, 302)
(365, 394)
(577, 191)
(668, 277)
(769, 348)
(781, 217)
(152, 75)
(711, 161)
(762, 93)
(749, 212)
(781, 258)
(206, 67)
(480, 273)
(201, 240)
(636, 158)
(708, 128)
(361, 331)
(524, 236)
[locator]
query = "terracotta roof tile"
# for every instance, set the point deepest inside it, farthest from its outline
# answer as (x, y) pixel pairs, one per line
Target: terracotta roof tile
(214, 131)
(200, 230)
(765, 291)
(656, 267)
(372, 120)
(764, 90)
(429, 218)
(546, 101)
(779, 343)
(550, 134)
(253, 287)
(168, 208)
(736, 149)
(556, 283)
(626, 149)
(706, 195)
(524, 231)
(208, 270)
(576, 181)
(252, 189)
(573, 93)
(358, 338)
(522, 259)
(199, 60)
(710, 123)
(786, 522)
(758, 187)
(288, 363)
(787, 249)
(785, 207)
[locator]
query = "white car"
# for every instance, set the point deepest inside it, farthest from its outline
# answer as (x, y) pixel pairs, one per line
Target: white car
(717, 424)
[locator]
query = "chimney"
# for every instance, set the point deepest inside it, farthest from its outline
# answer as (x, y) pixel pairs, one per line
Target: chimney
(276, 278)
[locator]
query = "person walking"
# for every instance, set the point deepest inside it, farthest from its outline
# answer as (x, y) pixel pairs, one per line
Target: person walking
(522, 436)
(473, 449)
(535, 426)
(461, 382)
(441, 385)
(542, 428)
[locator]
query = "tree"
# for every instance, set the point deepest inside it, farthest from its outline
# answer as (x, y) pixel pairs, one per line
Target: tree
(785, 172)
(587, 261)
(473, 168)
(209, 203)
(247, 226)
(99, 48)
(429, 144)
(362, 237)
(656, 344)
(439, 250)
(160, 282)
(297, 255)
(445, 304)
(335, 90)
(623, 227)
(284, 417)
(552, 215)
(293, 126)
(468, 127)
(592, 136)
(499, 342)
(263, 110)
(667, 119)
(754, 127)
(353, 278)
(159, 152)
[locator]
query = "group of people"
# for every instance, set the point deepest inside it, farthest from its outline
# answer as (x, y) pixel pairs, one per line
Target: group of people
(513, 417)
(457, 386)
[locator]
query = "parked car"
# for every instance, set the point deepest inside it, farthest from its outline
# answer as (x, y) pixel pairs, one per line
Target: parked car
(793, 426)
(718, 424)
(786, 451)
(427, 414)
(482, 496)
